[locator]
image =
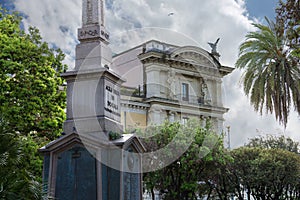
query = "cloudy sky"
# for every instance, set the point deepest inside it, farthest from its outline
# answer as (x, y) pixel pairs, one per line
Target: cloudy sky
(194, 22)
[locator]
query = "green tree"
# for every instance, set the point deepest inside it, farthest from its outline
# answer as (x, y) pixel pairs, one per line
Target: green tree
(273, 142)
(30, 97)
(271, 78)
(265, 169)
(32, 104)
(183, 178)
(267, 174)
(288, 20)
(218, 177)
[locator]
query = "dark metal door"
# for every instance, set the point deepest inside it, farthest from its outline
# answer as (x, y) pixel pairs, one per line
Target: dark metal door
(76, 177)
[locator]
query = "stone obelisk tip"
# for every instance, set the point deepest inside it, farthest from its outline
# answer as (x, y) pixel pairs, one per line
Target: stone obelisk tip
(93, 21)
(92, 13)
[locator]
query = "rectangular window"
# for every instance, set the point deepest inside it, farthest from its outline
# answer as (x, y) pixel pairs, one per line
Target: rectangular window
(185, 120)
(185, 91)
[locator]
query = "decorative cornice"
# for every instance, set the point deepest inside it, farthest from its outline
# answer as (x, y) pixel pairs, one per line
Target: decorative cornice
(187, 65)
(225, 70)
(182, 104)
(134, 104)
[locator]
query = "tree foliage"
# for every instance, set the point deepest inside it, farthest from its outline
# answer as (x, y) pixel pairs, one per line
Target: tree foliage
(271, 78)
(288, 20)
(32, 106)
(183, 178)
(264, 169)
(256, 173)
(30, 98)
(267, 173)
(273, 142)
(18, 179)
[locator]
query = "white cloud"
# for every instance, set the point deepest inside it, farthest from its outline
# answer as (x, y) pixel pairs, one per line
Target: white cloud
(56, 19)
(194, 22)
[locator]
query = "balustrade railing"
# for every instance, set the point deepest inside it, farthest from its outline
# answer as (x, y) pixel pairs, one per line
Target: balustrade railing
(190, 99)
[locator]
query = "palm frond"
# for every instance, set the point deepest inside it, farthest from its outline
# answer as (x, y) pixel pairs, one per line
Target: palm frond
(272, 75)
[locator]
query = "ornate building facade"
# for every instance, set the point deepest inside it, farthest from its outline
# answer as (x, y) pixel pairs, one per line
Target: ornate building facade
(168, 82)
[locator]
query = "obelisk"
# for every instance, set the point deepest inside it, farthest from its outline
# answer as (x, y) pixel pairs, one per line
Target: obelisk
(85, 163)
(93, 97)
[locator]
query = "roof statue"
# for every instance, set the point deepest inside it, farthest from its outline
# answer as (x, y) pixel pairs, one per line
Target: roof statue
(214, 47)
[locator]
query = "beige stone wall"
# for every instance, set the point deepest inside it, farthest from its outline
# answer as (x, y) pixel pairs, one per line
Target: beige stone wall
(132, 120)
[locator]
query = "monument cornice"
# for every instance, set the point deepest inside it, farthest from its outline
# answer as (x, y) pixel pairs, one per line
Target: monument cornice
(92, 74)
(126, 141)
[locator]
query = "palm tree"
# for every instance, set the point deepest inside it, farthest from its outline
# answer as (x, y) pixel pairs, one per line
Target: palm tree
(16, 182)
(271, 77)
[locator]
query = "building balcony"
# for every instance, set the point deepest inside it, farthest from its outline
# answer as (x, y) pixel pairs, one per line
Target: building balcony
(137, 94)
(192, 99)
(133, 92)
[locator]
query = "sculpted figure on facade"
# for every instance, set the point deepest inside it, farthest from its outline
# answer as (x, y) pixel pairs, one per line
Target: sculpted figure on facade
(171, 84)
(205, 93)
